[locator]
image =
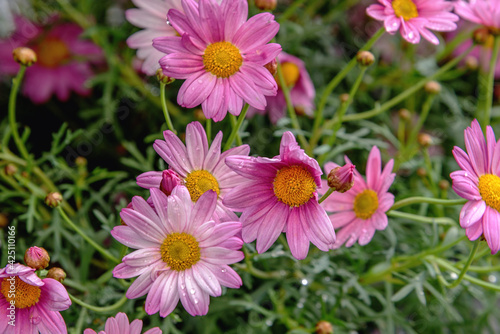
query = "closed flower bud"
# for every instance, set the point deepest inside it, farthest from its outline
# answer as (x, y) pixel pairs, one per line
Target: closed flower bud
(56, 273)
(365, 58)
(266, 4)
(471, 63)
(344, 98)
(24, 56)
(10, 169)
(421, 172)
(272, 67)
(81, 161)
(432, 87)
(324, 327)
(404, 114)
(481, 36)
(444, 185)
(341, 178)
(424, 139)
(164, 79)
(53, 199)
(4, 221)
(36, 257)
(170, 179)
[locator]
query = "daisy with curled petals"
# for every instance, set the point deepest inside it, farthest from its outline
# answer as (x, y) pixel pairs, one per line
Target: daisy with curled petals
(361, 210)
(181, 252)
(121, 325)
(29, 304)
(484, 12)
(200, 167)
(221, 55)
(415, 17)
(478, 181)
(280, 196)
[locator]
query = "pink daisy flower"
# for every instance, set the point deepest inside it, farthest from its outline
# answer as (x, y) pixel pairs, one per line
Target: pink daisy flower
(221, 55)
(414, 18)
(181, 252)
(478, 181)
(280, 196)
(302, 90)
(484, 12)
(29, 304)
(63, 63)
(361, 210)
(120, 325)
(200, 167)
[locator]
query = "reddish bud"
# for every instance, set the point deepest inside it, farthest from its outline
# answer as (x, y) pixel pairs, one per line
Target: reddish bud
(272, 67)
(24, 56)
(170, 179)
(324, 327)
(341, 178)
(56, 273)
(36, 257)
(53, 199)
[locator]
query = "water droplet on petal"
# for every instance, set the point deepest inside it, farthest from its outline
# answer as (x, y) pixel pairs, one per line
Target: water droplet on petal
(192, 291)
(35, 320)
(223, 270)
(196, 301)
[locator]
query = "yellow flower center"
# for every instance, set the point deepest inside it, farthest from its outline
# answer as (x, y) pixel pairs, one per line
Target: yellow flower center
(24, 294)
(222, 59)
(489, 188)
(180, 251)
(200, 181)
(294, 185)
(291, 74)
(52, 52)
(405, 9)
(365, 204)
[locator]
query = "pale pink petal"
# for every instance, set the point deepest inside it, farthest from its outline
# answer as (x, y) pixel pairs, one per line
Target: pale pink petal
(491, 229)
(471, 212)
(296, 236)
(149, 179)
(271, 226)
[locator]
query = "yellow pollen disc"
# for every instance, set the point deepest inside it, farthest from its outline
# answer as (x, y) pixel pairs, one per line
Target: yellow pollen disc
(222, 59)
(365, 204)
(405, 9)
(180, 251)
(489, 188)
(52, 52)
(23, 294)
(291, 74)
(294, 185)
(200, 181)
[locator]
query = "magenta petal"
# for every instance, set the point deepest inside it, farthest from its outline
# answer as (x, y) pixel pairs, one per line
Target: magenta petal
(149, 179)
(366, 234)
(234, 15)
(123, 270)
(474, 231)
(196, 89)
(198, 299)
(226, 275)
(51, 321)
(170, 295)
(203, 209)
(258, 30)
(296, 236)
(196, 144)
(247, 90)
(141, 286)
(205, 279)
(264, 54)
(491, 229)
(373, 168)
(471, 212)
(341, 219)
(271, 226)
(317, 225)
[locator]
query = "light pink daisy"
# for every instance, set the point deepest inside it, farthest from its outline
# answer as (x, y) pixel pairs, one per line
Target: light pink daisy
(361, 210)
(181, 252)
(221, 55)
(29, 304)
(120, 325)
(484, 12)
(415, 17)
(280, 196)
(478, 181)
(301, 90)
(201, 168)
(64, 59)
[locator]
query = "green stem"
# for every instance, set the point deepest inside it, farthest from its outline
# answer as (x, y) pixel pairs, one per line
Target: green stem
(165, 108)
(290, 10)
(105, 309)
(421, 219)
(467, 265)
(101, 250)
(328, 193)
(428, 165)
(236, 128)
(421, 120)
(452, 45)
(488, 99)
(418, 200)
(16, 83)
(208, 130)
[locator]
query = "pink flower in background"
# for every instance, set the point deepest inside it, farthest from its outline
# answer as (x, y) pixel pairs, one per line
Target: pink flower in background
(120, 325)
(37, 302)
(221, 55)
(361, 210)
(484, 12)
(415, 17)
(478, 181)
(200, 167)
(301, 90)
(280, 196)
(181, 252)
(63, 59)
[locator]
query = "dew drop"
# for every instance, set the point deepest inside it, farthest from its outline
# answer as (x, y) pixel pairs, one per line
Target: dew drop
(304, 282)
(35, 320)
(223, 270)
(453, 276)
(196, 301)
(269, 322)
(492, 278)
(192, 291)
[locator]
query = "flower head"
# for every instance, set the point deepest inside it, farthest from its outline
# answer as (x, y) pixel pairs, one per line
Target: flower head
(478, 181)
(31, 303)
(415, 17)
(221, 55)
(181, 252)
(36, 257)
(280, 195)
(120, 325)
(361, 210)
(484, 12)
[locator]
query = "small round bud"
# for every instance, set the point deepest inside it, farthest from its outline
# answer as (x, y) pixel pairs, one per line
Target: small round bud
(344, 98)
(81, 161)
(444, 185)
(53, 199)
(25, 174)
(10, 169)
(199, 115)
(404, 114)
(424, 139)
(422, 172)
(365, 58)
(266, 4)
(432, 87)
(164, 79)
(36, 257)
(481, 35)
(471, 63)
(169, 180)
(4, 221)
(341, 178)
(300, 110)
(56, 273)
(324, 327)
(272, 67)
(24, 56)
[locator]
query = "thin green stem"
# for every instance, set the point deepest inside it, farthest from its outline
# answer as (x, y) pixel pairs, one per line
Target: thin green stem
(421, 219)
(208, 130)
(418, 200)
(325, 196)
(234, 122)
(421, 120)
(488, 99)
(165, 108)
(236, 127)
(467, 265)
(98, 309)
(452, 45)
(16, 83)
(290, 10)
(428, 165)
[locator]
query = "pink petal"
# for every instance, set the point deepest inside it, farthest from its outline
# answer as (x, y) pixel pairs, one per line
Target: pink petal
(258, 30)
(149, 179)
(196, 89)
(471, 212)
(296, 236)
(206, 279)
(271, 226)
(491, 229)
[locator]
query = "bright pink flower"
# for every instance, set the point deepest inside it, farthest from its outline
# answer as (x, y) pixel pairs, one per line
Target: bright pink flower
(415, 17)
(63, 60)
(484, 12)
(120, 325)
(302, 90)
(221, 55)
(280, 196)
(201, 168)
(478, 181)
(36, 304)
(361, 210)
(181, 252)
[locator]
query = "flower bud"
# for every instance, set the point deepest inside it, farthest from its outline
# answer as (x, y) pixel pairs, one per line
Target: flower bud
(471, 63)
(365, 58)
(4, 221)
(56, 273)
(10, 169)
(324, 327)
(24, 56)
(164, 79)
(432, 87)
(266, 4)
(424, 139)
(404, 114)
(272, 67)
(36, 257)
(341, 178)
(444, 185)
(81, 161)
(344, 98)
(480, 36)
(421, 172)
(169, 180)
(53, 199)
